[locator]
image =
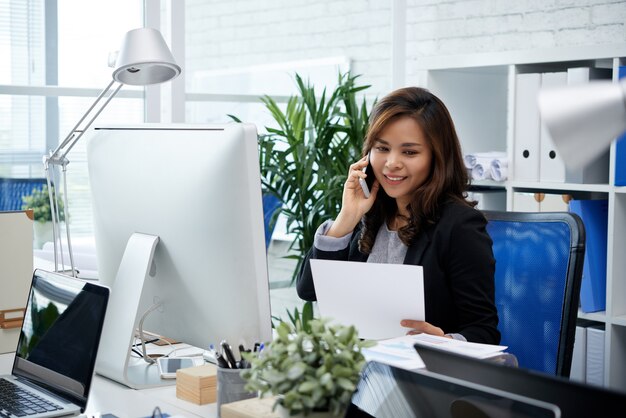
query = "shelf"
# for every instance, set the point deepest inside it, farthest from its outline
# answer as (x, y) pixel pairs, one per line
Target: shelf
(490, 124)
(516, 57)
(487, 186)
(593, 316)
(564, 188)
(619, 320)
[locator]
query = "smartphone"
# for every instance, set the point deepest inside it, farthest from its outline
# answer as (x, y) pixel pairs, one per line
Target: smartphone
(366, 184)
(169, 365)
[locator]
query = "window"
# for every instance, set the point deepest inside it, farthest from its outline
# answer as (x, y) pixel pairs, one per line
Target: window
(55, 56)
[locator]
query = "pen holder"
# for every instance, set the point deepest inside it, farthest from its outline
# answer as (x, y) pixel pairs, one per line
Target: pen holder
(230, 387)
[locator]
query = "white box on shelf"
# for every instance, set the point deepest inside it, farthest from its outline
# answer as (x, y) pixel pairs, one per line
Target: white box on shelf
(525, 202)
(551, 165)
(527, 128)
(595, 355)
(553, 203)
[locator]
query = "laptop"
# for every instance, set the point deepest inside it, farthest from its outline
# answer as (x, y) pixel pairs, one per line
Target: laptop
(385, 391)
(575, 399)
(57, 347)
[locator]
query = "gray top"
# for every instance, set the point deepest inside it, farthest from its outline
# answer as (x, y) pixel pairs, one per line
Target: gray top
(388, 248)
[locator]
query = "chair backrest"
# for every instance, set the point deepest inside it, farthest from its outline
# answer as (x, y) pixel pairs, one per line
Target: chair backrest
(270, 205)
(12, 190)
(539, 264)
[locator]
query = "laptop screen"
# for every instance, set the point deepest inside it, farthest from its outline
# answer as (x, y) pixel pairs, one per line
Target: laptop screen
(573, 398)
(59, 339)
(385, 391)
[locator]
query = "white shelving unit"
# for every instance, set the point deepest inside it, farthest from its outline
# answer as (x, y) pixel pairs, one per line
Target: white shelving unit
(479, 90)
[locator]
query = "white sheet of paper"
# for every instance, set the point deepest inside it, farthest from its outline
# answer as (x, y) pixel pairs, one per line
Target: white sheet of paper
(373, 297)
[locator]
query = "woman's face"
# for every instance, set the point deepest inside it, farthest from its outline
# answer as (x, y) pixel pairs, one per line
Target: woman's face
(401, 159)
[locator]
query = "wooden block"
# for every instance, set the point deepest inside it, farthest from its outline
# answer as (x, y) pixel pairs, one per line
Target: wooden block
(197, 384)
(250, 408)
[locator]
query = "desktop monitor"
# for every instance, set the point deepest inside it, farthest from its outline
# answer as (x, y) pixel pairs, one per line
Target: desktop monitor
(573, 398)
(198, 189)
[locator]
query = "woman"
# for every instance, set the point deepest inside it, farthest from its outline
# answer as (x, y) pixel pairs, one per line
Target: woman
(417, 214)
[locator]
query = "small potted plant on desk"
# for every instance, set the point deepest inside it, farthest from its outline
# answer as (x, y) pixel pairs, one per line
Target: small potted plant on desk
(312, 368)
(39, 202)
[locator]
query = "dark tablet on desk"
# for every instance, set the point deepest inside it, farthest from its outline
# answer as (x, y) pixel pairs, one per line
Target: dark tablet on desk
(385, 391)
(573, 398)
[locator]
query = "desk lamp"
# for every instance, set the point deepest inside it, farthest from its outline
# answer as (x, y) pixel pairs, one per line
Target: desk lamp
(144, 59)
(584, 119)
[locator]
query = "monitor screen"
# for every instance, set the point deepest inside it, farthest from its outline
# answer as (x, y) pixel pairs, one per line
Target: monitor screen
(573, 398)
(198, 189)
(385, 391)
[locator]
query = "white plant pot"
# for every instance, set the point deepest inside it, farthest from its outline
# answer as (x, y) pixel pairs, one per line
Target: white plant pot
(42, 233)
(284, 413)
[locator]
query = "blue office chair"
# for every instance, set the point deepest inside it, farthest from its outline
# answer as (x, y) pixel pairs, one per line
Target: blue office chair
(270, 205)
(539, 264)
(12, 190)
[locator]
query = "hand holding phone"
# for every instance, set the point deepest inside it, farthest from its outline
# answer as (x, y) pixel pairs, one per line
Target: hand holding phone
(366, 183)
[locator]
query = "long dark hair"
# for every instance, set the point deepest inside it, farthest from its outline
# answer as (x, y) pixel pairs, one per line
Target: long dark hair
(448, 179)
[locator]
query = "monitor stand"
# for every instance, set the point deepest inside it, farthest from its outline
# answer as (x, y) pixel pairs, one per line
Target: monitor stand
(118, 333)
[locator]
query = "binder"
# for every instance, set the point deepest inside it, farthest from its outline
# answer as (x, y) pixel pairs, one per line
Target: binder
(594, 373)
(597, 171)
(527, 128)
(551, 165)
(594, 214)
(16, 271)
(579, 355)
(620, 148)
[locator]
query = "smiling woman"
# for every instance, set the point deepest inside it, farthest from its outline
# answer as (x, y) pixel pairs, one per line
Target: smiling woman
(418, 213)
(401, 159)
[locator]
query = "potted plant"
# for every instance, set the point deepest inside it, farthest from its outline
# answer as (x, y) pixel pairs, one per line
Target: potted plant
(39, 202)
(312, 367)
(304, 160)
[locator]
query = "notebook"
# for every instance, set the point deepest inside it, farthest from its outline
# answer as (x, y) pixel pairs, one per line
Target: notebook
(385, 391)
(575, 399)
(371, 296)
(57, 347)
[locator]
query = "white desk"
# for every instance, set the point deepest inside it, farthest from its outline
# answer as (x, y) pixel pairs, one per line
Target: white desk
(111, 397)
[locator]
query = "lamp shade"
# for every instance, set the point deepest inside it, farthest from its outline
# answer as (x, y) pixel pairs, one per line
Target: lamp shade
(583, 119)
(144, 59)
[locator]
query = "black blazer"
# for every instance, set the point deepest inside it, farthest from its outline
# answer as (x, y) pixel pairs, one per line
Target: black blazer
(457, 257)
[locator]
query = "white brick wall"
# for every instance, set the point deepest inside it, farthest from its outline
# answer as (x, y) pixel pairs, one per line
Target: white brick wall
(222, 34)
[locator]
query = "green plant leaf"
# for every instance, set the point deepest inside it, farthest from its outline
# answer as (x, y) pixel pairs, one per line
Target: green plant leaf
(305, 158)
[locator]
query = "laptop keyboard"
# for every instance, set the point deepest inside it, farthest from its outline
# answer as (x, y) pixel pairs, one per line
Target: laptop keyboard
(19, 402)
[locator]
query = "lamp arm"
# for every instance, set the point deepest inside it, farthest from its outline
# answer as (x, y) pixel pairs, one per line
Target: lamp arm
(57, 156)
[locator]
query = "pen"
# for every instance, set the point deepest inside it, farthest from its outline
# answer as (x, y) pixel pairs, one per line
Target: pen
(230, 358)
(243, 363)
(221, 362)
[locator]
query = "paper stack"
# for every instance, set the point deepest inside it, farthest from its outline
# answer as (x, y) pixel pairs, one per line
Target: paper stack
(400, 352)
(197, 384)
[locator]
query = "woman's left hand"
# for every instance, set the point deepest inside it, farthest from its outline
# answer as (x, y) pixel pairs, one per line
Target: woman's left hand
(418, 327)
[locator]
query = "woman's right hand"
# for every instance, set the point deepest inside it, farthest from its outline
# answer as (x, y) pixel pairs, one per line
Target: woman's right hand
(354, 204)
